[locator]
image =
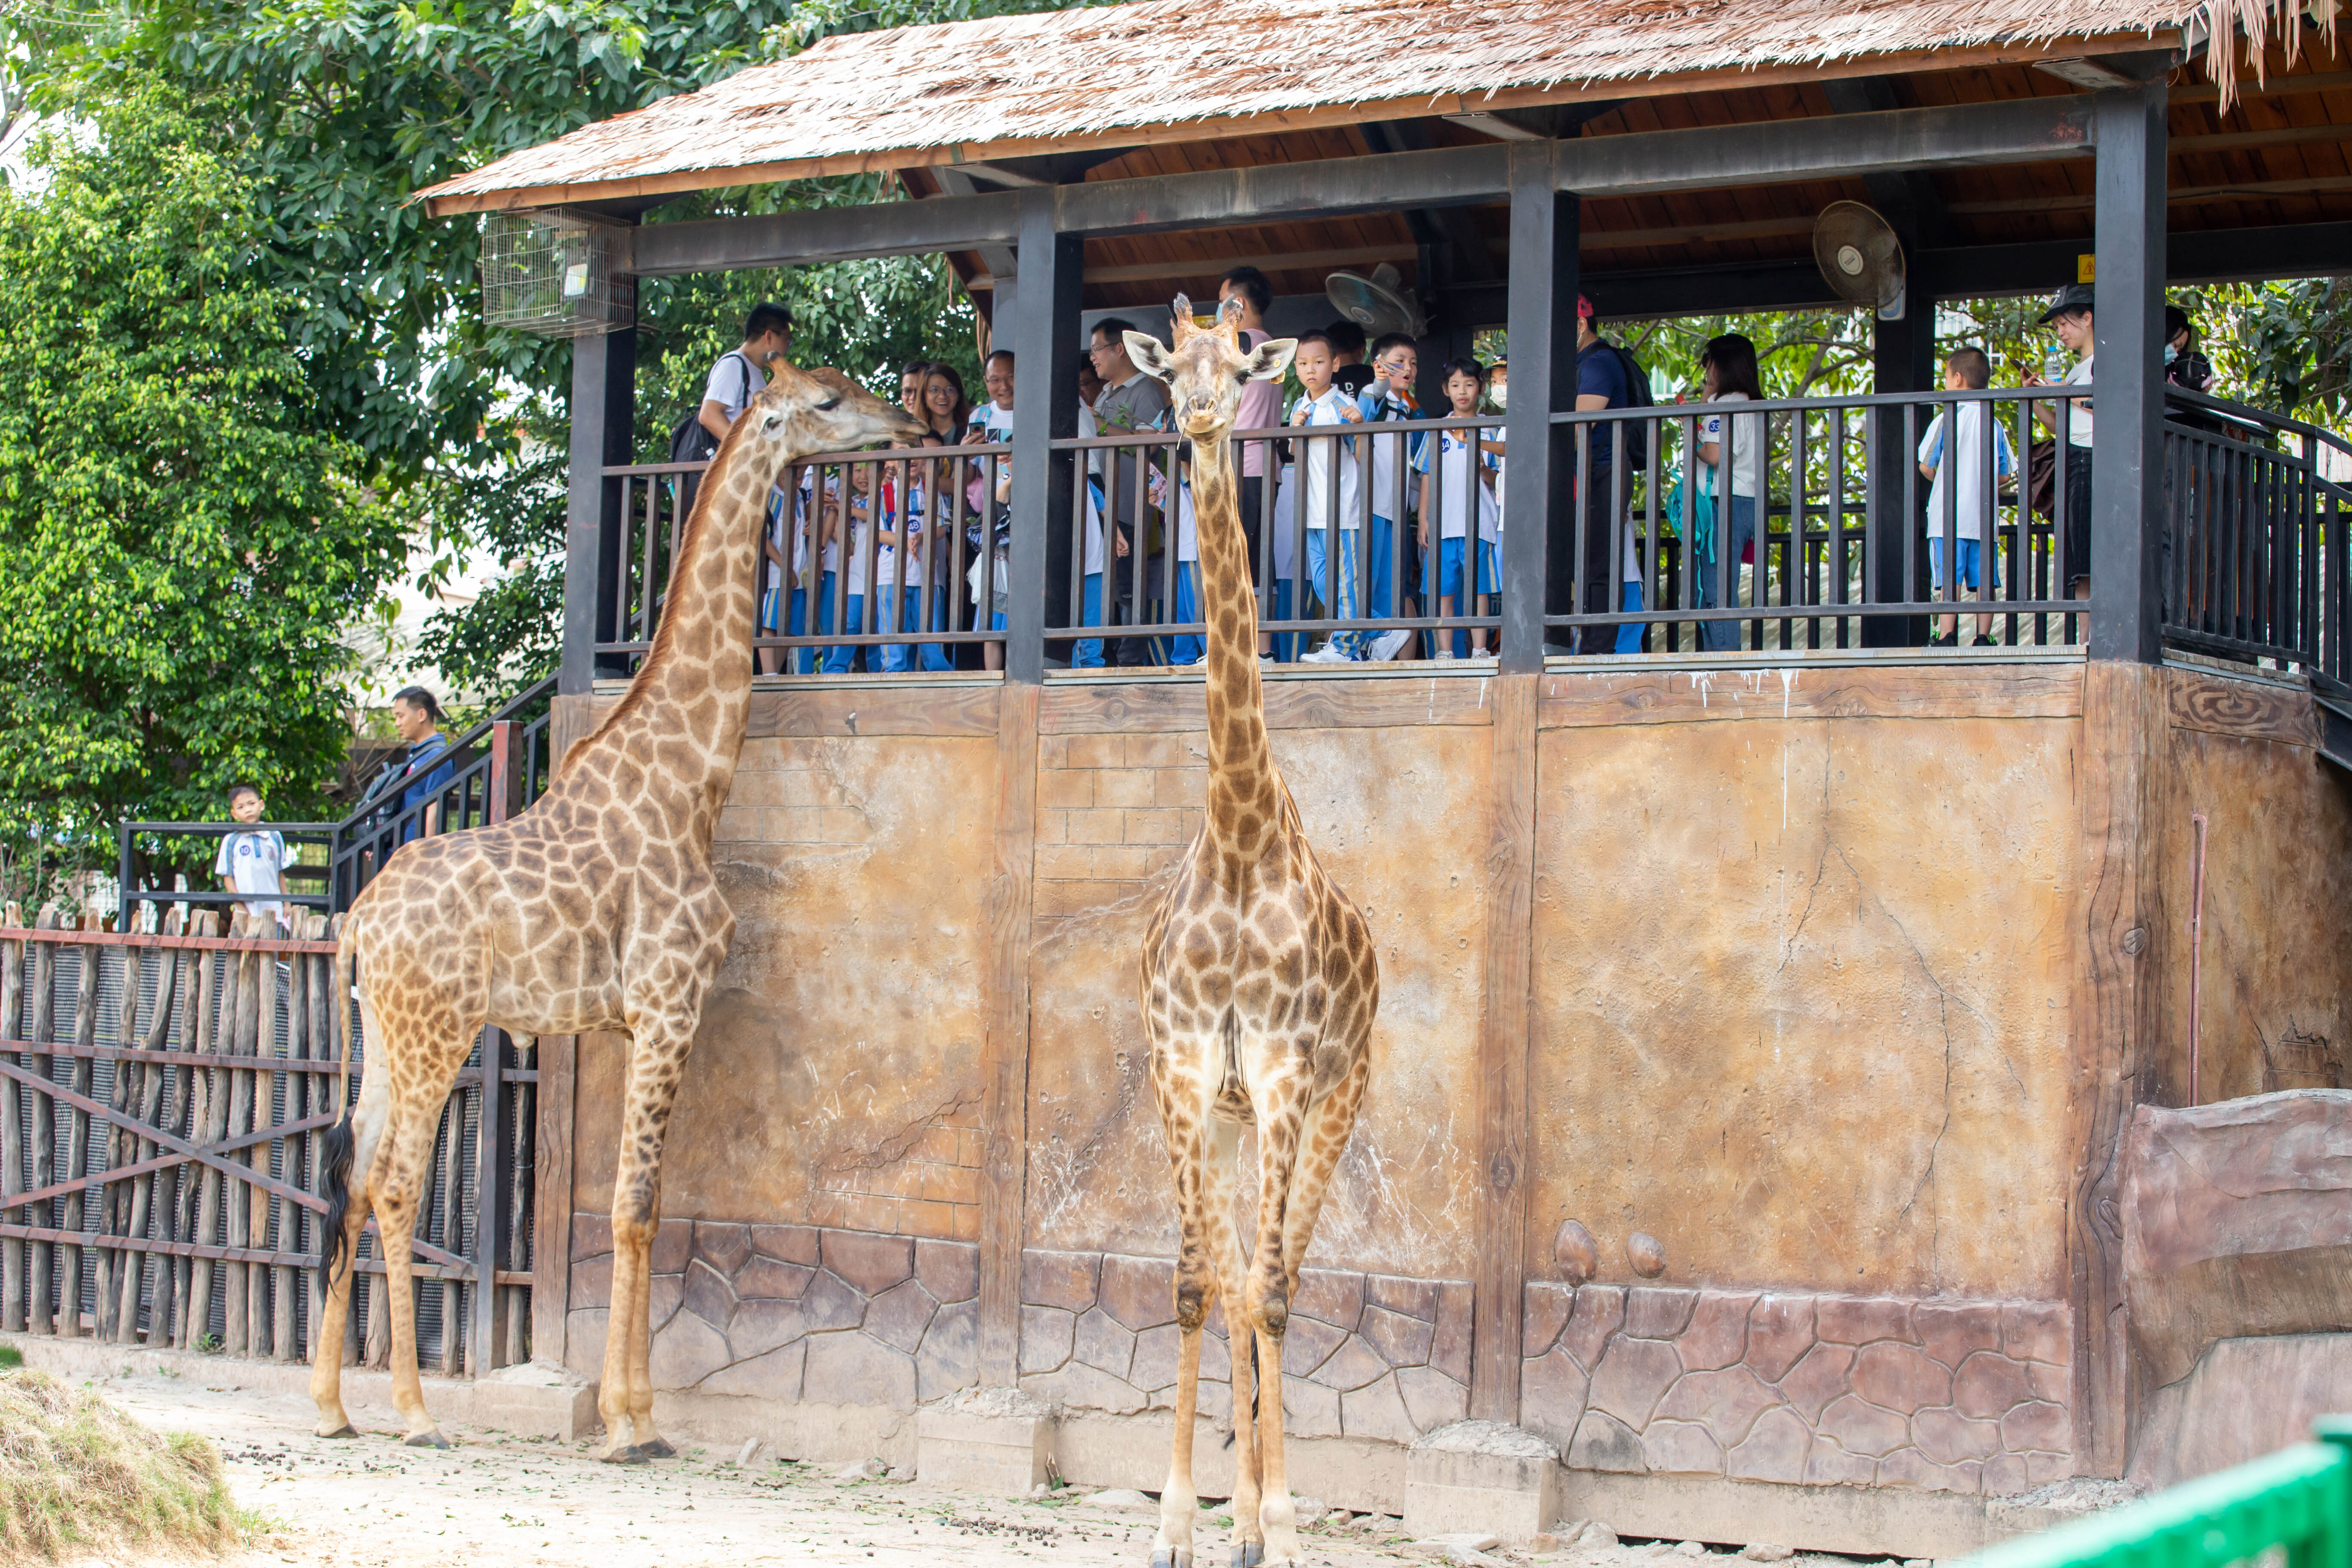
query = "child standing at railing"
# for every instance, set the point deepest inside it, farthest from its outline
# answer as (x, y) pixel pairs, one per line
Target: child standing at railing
(253, 861)
(1330, 499)
(1732, 449)
(1457, 470)
(1959, 461)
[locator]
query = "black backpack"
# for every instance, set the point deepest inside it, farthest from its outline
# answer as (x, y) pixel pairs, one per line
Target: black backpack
(1637, 395)
(690, 441)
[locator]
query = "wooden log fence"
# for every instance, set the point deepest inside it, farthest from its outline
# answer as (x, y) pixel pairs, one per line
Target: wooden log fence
(164, 1096)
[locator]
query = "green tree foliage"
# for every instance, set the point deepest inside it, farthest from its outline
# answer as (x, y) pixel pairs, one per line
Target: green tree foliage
(181, 531)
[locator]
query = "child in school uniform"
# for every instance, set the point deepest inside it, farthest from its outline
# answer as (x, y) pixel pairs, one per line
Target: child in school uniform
(1330, 493)
(1396, 365)
(1458, 489)
(1957, 463)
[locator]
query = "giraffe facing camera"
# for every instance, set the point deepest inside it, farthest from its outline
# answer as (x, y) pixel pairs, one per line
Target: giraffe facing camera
(595, 911)
(1258, 986)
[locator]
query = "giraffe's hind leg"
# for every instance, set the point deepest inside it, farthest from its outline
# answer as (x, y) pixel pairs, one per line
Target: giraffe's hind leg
(398, 1201)
(365, 1131)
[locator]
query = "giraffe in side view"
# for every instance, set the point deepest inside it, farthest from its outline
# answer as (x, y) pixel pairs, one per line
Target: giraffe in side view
(595, 911)
(1258, 985)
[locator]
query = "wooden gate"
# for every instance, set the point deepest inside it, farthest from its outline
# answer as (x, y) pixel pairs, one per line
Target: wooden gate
(164, 1098)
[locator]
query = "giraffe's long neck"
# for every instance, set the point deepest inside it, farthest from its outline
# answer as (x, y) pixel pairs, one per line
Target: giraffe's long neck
(1243, 791)
(686, 709)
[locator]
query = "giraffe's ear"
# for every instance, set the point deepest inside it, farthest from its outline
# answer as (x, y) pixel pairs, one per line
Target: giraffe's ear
(1150, 354)
(1270, 359)
(1182, 315)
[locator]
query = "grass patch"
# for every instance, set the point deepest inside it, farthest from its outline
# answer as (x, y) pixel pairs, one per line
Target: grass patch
(10, 1357)
(78, 1475)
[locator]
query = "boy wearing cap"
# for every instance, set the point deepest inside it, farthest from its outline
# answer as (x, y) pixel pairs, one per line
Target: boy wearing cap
(2069, 316)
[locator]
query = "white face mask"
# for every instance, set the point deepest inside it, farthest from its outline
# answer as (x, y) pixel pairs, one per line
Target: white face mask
(1500, 391)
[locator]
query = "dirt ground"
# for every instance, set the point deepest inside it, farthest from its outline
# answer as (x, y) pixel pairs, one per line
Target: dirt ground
(498, 1501)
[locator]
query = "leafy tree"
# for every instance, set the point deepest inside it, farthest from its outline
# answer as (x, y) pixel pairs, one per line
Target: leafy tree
(181, 533)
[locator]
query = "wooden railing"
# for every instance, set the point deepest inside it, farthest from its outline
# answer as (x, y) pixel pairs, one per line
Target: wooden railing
(163, 1093)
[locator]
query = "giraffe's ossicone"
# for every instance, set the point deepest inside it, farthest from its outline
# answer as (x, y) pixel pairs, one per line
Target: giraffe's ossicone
(1258, 987)
(595, 911)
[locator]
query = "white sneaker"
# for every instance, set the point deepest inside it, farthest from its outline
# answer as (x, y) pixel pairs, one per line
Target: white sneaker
(1327, 654)
(1486, 655)
(1388, 645)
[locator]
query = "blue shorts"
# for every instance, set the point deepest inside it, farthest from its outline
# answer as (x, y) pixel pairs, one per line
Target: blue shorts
(1970, 553)
(1449, 566)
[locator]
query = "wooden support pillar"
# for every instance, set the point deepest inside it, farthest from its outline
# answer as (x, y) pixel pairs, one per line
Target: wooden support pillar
(2127, 456)
(1903, 359)
(1504, 1034)
(1044, 339)
(1535, 567)
(604, 403)
(1005, 1052)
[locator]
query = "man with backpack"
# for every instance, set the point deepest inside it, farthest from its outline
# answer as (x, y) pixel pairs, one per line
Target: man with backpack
(739, 375)
(1606, 377)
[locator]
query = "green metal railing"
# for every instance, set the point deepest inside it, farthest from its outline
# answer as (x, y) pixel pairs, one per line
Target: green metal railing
(2297, 1503)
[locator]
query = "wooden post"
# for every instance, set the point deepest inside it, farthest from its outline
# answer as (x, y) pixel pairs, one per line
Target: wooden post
(220, 1031)
(278, 1231)
(236, 1324)
(145, 1213)
(1005, 1052)
(2127, 459)
(310, 1238)
(1045, 341)
(13, 960)
(1542, 324)
(550, 1257)
(1903, 359)
(1497, 1324)
(604, 397)
(489, 1207)
(79, 1151)
(42, 1031)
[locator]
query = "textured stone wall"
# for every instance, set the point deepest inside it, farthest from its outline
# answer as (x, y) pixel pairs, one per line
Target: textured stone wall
(1804, 975)
(1951, 1395)
(1399, 817)
(2275, 1010)
(835, 1079)
(1367, 1355)
(790, 1312)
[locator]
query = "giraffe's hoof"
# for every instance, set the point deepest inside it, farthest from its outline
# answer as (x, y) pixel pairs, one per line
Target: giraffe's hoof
(628, 1455)
(429, 1438)
(345, 1430)
(1248, 1554)
(660, 1448)
(1171, 1557)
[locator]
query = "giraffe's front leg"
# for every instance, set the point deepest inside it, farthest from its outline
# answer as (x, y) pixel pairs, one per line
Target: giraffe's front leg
(1184, 1117)
(626, 1400)
(1281, 1099)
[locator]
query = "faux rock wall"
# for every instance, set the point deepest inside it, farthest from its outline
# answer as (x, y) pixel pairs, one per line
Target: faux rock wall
(1366, 1355)
(1965, 1396)
(790, 1312)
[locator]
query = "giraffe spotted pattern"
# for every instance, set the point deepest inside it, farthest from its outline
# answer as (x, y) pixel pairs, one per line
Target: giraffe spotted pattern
(1258, 987)
(595, 910)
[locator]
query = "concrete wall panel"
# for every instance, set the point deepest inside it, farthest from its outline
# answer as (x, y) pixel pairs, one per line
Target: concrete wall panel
(1802, 996)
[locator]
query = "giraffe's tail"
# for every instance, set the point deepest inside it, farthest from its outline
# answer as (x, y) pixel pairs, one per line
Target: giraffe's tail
(335, 1169)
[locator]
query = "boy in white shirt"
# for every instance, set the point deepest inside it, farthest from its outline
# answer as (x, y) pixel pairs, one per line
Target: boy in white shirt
(1457, 469)
(1331, 491)
(254, 861)
(1396, 365)
(991, 424)
(1958, 469)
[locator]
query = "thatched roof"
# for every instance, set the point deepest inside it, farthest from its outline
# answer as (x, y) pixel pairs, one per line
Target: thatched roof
(1164, 70)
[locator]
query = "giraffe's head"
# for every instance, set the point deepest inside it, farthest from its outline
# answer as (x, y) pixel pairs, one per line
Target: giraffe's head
(1207, 368)
(805, 412)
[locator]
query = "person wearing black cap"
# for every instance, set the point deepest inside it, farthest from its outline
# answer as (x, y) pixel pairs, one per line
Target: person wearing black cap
(2069, 316)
